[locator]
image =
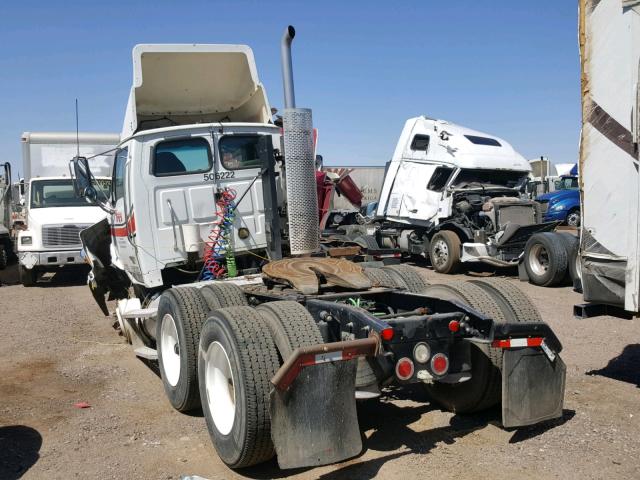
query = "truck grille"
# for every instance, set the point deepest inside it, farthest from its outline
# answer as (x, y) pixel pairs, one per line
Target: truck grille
(517, 214)
(62, 235)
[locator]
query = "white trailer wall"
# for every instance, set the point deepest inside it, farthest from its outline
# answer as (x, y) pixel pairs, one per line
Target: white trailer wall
(609, 166)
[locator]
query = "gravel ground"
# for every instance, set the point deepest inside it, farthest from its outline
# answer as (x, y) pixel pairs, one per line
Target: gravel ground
(58, 350)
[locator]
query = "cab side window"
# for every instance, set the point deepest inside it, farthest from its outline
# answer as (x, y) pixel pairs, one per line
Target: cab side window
(439, 179)
(181, 157)
(118, 174)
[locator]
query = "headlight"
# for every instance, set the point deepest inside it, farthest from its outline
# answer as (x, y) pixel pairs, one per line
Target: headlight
(559, 206)
(26, 240)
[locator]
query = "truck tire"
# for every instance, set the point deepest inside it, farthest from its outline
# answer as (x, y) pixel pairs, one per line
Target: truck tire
(408, 276)
(181, 313)
(545, 259)
(482, 391)
(222, 295)
(381, 278)
(515, 304)
(291, 326)
(237, 360)
(4, 255)
(571, 244)
(28, 277)
(444, 252)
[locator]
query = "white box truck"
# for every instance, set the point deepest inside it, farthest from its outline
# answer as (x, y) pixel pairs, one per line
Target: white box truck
(55, 215)
(609, 162)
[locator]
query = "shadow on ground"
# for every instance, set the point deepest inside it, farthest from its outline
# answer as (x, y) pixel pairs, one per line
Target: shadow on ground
(392, 433)
(625, 367)
(19, 450)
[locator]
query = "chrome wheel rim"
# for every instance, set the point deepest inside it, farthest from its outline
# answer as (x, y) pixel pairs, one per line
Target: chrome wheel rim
(573, 219)
(440, 253)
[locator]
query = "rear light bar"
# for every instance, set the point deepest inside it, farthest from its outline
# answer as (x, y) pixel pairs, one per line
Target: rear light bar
(518, 342)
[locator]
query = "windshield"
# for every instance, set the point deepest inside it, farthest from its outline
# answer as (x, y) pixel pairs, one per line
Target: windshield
(60, 193)
(483, 178)
(567, 183)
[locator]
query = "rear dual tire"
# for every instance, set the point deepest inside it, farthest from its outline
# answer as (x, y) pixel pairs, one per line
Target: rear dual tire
(237, 359)
(546, 259)
(181, 314)
(503, 302)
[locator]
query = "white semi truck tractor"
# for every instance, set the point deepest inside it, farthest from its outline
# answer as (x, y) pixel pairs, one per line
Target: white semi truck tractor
(609, 260)
(456, 196)
(211, 250)
(55, 216)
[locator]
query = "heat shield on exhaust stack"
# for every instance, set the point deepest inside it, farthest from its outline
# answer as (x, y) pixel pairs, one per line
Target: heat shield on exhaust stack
(302, 197)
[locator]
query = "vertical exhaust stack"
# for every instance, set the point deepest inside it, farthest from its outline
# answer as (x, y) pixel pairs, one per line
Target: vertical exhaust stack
(302, 197)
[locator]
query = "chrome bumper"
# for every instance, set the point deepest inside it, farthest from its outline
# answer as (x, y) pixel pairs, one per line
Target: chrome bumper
(50, 259)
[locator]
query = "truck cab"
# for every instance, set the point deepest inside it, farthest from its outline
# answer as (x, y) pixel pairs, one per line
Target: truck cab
(454, 194)
(185, 151)
(54, 214)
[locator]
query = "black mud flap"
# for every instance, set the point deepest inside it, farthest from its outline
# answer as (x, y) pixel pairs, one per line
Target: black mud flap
(532, 387)
(314, 422)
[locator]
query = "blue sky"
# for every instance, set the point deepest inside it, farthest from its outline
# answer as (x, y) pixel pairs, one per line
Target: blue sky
(503, 67)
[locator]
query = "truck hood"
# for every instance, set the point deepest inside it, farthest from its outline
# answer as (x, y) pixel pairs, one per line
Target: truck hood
(559, 195)
(65, 216)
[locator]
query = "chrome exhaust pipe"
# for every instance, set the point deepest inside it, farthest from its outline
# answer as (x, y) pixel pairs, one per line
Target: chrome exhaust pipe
(287, 68)
(299, 164)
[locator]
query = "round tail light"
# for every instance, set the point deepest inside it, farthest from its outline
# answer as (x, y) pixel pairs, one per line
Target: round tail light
(404, 368)
(439, 364)
(421, 353)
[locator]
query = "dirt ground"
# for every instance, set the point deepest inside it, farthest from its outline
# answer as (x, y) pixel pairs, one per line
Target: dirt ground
(57, 349)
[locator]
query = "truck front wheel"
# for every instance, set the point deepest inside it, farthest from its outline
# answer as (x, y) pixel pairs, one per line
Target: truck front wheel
(444, 252)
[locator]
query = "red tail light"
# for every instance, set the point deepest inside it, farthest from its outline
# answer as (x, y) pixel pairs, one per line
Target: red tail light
(404, 369)
(439, 364)
(387, 334)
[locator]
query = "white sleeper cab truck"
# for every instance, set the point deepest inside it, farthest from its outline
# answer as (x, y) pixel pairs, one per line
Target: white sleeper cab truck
(456, 195)
(609, 161)
(212, 251)
(55, 215)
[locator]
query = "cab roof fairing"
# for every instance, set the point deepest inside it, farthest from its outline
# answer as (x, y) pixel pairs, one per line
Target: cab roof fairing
(183, 84)
(449, 145)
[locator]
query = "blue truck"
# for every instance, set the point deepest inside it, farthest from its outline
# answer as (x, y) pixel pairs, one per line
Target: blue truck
(564, 203)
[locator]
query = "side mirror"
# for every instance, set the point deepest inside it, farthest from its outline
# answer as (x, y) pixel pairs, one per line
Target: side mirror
(83, 183)
(82, 177)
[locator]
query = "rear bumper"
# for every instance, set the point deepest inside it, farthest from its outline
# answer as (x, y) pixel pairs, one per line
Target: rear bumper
(50, 259)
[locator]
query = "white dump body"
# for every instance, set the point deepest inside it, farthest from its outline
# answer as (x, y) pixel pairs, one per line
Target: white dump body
(609, 162)
(190, 84)
(47, 154)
